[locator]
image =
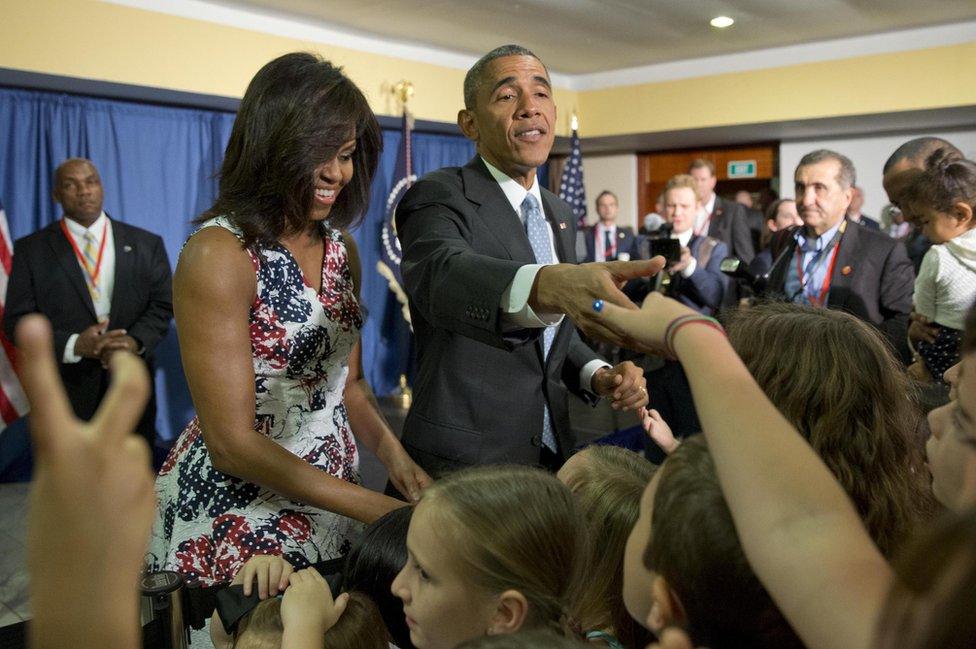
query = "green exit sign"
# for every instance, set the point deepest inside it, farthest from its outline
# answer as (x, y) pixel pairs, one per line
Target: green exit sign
(742, 169)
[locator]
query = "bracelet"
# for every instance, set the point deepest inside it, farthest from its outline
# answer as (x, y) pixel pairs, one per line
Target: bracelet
(678, 323)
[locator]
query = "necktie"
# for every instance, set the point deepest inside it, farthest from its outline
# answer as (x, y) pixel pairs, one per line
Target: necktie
(90, 252)
(607, 245)
(538, 230)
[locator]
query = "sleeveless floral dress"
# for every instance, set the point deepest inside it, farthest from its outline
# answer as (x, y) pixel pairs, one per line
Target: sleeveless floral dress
(209, 523)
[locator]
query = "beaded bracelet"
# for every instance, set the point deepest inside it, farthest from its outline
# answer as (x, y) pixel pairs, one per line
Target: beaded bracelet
(678, 323)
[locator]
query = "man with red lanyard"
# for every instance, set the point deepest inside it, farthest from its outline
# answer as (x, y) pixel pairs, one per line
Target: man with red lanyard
(829, 263)
(103, 284)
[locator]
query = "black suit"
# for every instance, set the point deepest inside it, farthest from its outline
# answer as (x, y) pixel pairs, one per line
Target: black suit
(873, 279)
(480, 391)
(626, 242)
(47, 279)
(730, 225)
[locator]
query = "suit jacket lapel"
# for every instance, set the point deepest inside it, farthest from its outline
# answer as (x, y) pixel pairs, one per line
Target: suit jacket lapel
(65, 255)
(844, 267)
(123, 270)
(481, 189)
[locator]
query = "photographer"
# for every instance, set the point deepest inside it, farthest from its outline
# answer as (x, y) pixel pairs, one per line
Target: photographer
(694, 278)
(693, 275)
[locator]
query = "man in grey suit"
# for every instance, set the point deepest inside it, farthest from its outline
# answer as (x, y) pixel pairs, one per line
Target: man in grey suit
(488, 298)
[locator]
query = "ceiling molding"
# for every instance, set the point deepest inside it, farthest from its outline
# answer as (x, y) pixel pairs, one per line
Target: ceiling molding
(939, 119)
(291, 26)
(776, 57)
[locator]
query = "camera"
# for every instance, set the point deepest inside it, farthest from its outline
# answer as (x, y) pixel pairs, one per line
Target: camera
(668, 248)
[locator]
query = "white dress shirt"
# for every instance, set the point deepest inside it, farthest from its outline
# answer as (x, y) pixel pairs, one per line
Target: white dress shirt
(106, 273)
(514, 305)
(684, 239)
(702, 217)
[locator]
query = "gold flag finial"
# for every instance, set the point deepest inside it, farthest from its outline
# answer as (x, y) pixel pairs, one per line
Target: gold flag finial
(574, 122)
(403, 91)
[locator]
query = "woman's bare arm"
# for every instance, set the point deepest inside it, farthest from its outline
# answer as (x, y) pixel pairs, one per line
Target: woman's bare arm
(214, 286)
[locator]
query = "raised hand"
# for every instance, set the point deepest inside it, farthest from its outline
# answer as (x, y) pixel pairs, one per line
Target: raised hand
(572, 289)
(91, 504)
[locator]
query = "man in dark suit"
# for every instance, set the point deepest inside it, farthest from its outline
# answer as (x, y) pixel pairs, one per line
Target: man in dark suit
(831, 262)
(607, 241)
(720, 219)
(854, 212)
(104, 286)
(480, 242)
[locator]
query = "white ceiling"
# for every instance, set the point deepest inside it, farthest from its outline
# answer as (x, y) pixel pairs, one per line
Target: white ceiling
(587, 36)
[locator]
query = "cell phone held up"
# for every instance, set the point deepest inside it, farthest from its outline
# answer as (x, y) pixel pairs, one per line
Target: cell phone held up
(668, 248)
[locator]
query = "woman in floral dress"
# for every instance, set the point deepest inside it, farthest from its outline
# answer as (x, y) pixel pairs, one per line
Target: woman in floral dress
(267, 315)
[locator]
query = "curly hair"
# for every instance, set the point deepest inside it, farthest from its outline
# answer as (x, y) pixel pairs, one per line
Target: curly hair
(836, 380)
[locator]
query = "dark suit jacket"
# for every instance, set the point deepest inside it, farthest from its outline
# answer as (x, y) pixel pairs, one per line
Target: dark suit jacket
(730, 225)
(704, 291)
(626, 242)
(46, 279)
(480, 391)
(869, 223)
(873, 279)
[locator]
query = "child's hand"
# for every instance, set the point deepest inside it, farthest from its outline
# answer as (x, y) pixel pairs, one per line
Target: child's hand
(658, 430)
(307, 606)
(272, 573)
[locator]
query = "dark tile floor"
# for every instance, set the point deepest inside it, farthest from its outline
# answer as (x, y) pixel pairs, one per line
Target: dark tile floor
(14, 606)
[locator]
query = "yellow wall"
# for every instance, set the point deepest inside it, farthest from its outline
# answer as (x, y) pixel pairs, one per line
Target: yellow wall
(96, 40)
(922, 79)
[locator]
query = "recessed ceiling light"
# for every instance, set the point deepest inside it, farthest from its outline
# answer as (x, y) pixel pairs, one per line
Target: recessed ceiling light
(721, 22)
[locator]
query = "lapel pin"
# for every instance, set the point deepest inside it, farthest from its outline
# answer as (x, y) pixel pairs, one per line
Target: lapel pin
(846, 270)
(562, 226)
(620, 235)
(127, 248)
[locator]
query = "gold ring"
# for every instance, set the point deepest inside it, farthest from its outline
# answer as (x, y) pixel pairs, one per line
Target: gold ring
(643, 389)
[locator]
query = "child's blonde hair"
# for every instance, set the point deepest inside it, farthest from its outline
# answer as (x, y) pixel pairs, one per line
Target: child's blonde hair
(516, 528)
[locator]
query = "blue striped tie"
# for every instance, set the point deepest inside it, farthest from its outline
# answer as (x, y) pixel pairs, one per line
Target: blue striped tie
(538, 230)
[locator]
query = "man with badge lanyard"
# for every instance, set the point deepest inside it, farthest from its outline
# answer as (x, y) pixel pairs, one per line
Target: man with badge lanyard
(104, 285)
(828, 263)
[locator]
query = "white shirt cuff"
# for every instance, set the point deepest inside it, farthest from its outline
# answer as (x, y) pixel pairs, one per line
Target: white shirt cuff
(586, 374)
(69, 350)
(690, 269)
(514, 305)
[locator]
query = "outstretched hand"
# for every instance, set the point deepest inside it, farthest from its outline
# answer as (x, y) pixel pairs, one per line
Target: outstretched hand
(644, 329)
(572, 289)
(91, 504)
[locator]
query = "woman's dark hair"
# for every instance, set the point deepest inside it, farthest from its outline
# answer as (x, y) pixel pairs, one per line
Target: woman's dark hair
(948, 178)
(770, 215)
(296, 114)
(374, 562)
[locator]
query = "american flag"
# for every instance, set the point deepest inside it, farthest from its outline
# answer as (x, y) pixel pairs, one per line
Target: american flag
(571, 184)
(13, 401)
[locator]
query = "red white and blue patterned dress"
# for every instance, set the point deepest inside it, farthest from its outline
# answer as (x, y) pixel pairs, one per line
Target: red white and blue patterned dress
(209, 523)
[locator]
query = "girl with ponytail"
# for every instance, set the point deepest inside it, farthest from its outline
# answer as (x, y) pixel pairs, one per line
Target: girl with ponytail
(491, 551)
(941, 200)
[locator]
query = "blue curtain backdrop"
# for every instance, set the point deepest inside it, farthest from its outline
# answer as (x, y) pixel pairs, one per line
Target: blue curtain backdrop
(157, 165)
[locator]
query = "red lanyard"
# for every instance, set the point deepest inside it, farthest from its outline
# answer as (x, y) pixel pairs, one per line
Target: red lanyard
(821, 296)
(92, 274)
